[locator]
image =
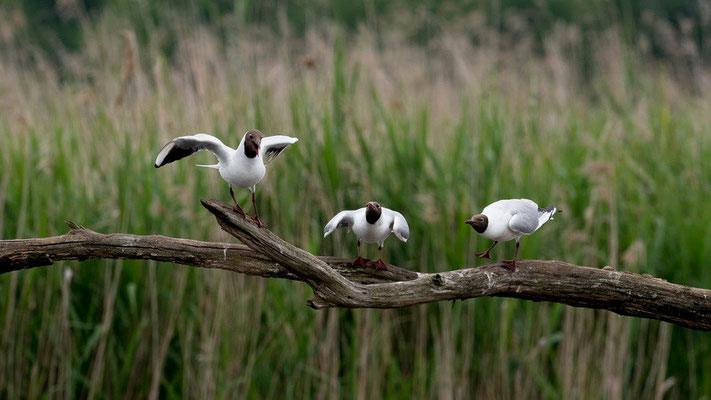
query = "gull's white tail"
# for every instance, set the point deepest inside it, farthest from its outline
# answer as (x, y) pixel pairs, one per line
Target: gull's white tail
(216, 166)
(546, 214)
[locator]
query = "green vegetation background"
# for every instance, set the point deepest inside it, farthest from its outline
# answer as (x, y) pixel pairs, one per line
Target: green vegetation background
(431, 108)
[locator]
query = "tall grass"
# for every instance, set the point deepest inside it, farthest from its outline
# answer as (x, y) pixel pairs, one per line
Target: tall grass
(436, 132)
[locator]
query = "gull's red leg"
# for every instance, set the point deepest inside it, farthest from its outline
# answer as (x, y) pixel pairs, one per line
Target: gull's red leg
(360, 260)
(486, 253)
(380, 264)
(256, 214)
(237, 208)
(511, 265)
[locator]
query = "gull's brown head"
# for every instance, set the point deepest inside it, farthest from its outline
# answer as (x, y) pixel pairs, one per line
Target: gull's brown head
(373, 212)
(252, 141)
(479, 222)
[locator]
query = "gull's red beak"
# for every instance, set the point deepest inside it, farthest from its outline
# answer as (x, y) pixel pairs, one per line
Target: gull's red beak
(469, 222)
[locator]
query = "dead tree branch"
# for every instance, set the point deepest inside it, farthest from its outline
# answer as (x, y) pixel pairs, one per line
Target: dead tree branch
(336, 283)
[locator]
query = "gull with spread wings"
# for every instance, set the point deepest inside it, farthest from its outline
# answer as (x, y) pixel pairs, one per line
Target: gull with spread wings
(371, 224)
(243, 167)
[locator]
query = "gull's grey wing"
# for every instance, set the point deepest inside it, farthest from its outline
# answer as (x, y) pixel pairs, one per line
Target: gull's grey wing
(398, 225)
(271, 146)
(525, 222)
(184, 146)
(342, 219)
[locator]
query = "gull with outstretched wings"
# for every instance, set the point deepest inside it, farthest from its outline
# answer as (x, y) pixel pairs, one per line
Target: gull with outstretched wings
(243, 167)
(371, 224)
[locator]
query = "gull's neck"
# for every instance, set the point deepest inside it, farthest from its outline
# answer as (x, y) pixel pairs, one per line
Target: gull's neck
(241, 153)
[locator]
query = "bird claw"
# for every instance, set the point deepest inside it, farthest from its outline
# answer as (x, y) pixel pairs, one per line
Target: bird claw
(361, 261)
(510, 265)
(380, 265)
(483, 255)
(239, 211)
(259, 222)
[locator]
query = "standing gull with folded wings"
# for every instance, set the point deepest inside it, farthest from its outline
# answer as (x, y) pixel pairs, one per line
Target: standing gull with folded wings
(506, 220)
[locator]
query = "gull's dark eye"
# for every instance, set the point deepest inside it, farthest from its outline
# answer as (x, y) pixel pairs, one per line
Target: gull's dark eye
(250, 135)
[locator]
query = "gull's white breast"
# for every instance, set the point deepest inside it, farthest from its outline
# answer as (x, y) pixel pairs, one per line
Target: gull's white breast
(371, 233)
(242, 171)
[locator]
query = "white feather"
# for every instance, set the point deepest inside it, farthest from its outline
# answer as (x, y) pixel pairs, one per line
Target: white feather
(235, 167)
(272, 146)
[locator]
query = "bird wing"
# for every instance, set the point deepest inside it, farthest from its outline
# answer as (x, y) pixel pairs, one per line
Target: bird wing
(271, 146)
(524, 216)
(398, 225)
(342, 219)
(523, 223)
(184, 146)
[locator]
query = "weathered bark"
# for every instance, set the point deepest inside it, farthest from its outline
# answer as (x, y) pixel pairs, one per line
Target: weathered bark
(336, 283)
(84, 244)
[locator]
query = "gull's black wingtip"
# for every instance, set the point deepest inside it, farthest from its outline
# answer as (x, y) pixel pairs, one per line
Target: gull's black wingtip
(547, 209)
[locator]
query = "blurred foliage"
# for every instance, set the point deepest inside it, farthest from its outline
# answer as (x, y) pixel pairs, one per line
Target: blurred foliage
(475, 117)
(49, 22)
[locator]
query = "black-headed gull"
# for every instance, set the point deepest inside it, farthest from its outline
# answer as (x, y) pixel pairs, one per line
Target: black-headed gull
(371, 224)
(243, 168)
(506, 220)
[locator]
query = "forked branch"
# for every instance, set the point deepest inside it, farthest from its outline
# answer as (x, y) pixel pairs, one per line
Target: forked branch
(336, 283)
